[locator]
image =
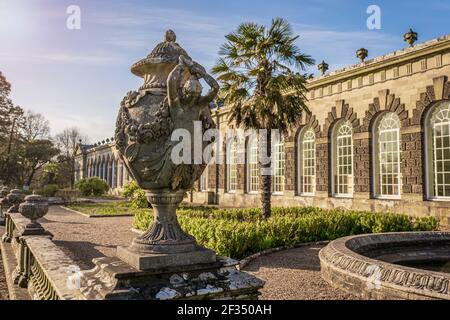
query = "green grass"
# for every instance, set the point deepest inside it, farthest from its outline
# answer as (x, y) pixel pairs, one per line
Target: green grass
(107, 209)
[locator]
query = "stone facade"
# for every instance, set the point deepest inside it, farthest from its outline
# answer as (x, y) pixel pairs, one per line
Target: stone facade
(101, 160)
(407, 83)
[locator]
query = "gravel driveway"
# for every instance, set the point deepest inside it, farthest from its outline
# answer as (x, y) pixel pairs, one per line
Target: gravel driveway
(294, 274)
(84, 238)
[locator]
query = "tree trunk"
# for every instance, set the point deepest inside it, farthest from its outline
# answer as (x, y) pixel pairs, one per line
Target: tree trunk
(8, 155)
(30, 178)
(266, 177)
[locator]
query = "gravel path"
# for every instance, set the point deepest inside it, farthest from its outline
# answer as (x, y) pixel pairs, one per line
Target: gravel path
(294, 274)
(84, 238)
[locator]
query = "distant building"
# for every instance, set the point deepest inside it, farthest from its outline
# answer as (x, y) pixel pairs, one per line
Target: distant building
(378, 139)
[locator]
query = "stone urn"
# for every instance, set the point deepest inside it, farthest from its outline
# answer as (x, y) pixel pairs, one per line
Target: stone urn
(323, 67)
(33, 208)
(410, 37)
(362, 54)
(169, 100)
(13, 200)
(3, 193)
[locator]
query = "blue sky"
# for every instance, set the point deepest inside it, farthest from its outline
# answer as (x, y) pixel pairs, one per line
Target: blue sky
(78, 77)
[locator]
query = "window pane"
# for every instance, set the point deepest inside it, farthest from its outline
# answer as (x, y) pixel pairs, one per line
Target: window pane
(388, 155)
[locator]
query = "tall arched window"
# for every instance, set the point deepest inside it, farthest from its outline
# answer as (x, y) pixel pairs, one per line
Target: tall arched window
(437, 141)
(342, 158)
(278, 158)
(232, 166)
(307, 162)
(204, 180)
(386, 148)
(252, 165)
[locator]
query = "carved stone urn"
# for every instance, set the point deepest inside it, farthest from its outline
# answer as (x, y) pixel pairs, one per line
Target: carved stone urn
(323, 67)
(362, 54)
(3, 193)
(170, 99)
(410, 37)
(33, 208)
(13, 200)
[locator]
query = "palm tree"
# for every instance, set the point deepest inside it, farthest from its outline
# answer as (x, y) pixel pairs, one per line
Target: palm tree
(258, 69)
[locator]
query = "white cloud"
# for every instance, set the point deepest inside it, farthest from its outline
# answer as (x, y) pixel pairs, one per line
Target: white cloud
(338, 48)
(62, 57)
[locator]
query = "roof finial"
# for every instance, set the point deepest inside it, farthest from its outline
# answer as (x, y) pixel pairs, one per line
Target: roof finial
(323, 67)
(410, 37)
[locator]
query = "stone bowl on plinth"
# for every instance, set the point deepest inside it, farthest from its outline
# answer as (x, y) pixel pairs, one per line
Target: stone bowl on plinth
(33, 208)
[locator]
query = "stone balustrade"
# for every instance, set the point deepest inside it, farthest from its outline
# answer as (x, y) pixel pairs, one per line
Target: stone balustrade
(37, 263)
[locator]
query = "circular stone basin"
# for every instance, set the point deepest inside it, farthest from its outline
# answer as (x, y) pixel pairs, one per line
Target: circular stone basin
(407, 265)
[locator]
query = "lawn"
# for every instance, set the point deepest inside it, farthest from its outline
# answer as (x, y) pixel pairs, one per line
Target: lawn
(119, 208)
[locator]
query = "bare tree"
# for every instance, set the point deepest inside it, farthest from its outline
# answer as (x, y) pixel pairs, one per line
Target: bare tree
(35, 127)
(68, 142)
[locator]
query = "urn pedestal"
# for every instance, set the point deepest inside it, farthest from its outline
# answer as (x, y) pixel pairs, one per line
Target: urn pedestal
(165, 243)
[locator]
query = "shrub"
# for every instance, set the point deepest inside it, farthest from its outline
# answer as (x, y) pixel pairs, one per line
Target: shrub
(48, 190)
(129, 189)
(93, 186)
(240, 232)
(136, 195)
(138, 199)
(68, 195)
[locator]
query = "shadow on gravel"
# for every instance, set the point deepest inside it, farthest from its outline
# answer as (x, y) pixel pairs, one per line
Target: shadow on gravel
(303, 258)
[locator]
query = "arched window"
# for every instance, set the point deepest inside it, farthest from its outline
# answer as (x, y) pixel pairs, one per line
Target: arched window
(252, 165)
(232, 166)
(204, 180)
(386, 148)
(437, 130)
(278, 157)
(342, 158)
(307, 162)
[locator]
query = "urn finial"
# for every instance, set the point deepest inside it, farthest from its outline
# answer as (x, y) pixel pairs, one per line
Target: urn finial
(410, 37)
(170, 36)
(323, 67)
(362, 54)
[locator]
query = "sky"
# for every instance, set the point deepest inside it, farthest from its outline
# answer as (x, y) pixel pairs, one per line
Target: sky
(77, 77)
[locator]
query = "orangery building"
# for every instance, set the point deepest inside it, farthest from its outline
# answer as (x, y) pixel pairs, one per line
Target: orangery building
(377, 138)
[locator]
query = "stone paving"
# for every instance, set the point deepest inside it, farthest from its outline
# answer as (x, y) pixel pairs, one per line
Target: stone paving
(83, 238)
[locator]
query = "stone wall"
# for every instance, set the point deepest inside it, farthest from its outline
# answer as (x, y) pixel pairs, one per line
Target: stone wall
(400, 83)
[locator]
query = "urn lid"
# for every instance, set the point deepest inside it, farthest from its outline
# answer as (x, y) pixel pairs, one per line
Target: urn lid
(34, 198)
(167, 51)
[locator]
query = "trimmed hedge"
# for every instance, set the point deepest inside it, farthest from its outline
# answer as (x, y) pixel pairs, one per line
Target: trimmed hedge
(238, 233)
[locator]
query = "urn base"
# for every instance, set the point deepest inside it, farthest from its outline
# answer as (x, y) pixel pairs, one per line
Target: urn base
(113, 279)
(152, 261)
